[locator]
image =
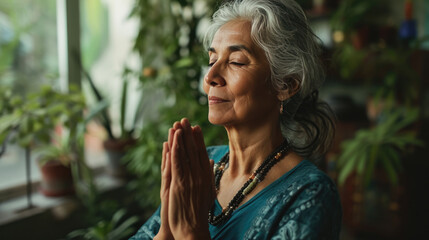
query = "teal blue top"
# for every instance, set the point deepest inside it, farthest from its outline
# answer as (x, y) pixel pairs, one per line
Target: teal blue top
(302, 204)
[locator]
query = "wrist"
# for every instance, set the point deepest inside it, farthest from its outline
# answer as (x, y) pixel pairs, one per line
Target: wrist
(163, 235)
(194, 235)
(199, 236)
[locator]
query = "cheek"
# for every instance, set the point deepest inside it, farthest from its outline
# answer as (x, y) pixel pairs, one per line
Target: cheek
(255, 96)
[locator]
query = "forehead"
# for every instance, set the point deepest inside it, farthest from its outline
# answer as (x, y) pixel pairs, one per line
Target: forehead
(235, 32)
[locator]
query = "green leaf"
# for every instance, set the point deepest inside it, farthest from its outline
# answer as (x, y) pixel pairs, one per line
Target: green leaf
(77, 233)
(96, 110)
(124, 229)
(123, 106)
(184, 62)
(404, 139)
(349, 149)
(117, 216)
(25, 140)
(394, 157)
(347, 168)
(404, 120)
(363, 161)
(372, 162)
(388, 167)
(8, 122)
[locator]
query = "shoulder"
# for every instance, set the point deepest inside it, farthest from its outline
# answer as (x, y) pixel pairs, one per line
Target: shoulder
(306, 206)
(314, 211)
(217, 152)
(307, 174)
(311, 184)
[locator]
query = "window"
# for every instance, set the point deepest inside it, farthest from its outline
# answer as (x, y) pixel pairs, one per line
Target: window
(28, 59)
(30, 56)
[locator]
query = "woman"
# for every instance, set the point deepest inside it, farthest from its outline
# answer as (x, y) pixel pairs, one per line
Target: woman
(262, 87)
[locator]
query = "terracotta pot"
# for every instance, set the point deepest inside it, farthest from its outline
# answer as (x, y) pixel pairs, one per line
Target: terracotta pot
(57, 179)
(116, 150)
(360, 38)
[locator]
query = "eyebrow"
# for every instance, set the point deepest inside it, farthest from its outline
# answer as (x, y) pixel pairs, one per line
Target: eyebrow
(233, 48)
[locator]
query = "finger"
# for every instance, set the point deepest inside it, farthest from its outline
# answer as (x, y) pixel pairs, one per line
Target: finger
(165, 193)
(167, 173)
(203, 156)
(211, 163)
(164, 152)
(164, 158)
(177, 125)
(170, 137)
(206, 164)
(211, 171)
(166, 176)
(212, 178)
(184, 160)
(189, 146)
(177, 159)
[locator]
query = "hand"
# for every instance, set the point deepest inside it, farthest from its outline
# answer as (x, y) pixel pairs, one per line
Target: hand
(164, 231)
(191, 190)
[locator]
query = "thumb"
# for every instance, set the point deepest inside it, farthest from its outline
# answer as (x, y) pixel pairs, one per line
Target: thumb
(212, 178)
(211, 164)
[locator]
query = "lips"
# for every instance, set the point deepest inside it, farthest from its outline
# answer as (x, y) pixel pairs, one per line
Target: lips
(216, 100)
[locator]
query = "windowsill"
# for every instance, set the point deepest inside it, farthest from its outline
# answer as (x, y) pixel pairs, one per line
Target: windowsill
(16, 209)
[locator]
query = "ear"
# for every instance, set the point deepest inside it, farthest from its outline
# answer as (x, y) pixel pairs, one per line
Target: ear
(291, 87)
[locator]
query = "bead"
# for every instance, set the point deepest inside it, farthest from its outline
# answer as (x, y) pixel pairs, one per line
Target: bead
(249, 188)
(252, 176)
(256, 177)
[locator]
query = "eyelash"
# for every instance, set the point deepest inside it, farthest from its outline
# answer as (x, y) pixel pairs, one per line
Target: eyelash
(234, 63)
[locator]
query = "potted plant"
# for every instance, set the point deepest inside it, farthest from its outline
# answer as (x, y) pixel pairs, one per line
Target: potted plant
(33, 120)
(380, 146)
(116, 144)
(370, 172)
(54, 162)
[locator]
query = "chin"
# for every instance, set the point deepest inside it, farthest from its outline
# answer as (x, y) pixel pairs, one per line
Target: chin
(216, 119)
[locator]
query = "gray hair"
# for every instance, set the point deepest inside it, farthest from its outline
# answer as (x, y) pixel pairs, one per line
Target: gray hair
(281, 29)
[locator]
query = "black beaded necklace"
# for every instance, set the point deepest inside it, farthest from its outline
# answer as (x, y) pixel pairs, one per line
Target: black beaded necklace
(257, 176)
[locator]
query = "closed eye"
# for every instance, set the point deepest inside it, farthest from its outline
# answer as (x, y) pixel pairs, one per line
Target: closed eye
(237, 63)
(211, 64)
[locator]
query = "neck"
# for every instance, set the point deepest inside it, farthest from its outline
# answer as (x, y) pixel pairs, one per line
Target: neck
(249, 146)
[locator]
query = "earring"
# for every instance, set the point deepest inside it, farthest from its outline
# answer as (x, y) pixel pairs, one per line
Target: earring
(281, 107)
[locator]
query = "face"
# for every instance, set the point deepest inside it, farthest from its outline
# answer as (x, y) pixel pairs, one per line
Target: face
(237, 83)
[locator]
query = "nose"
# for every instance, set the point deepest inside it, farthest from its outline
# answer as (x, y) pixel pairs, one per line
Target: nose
(214, 76)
